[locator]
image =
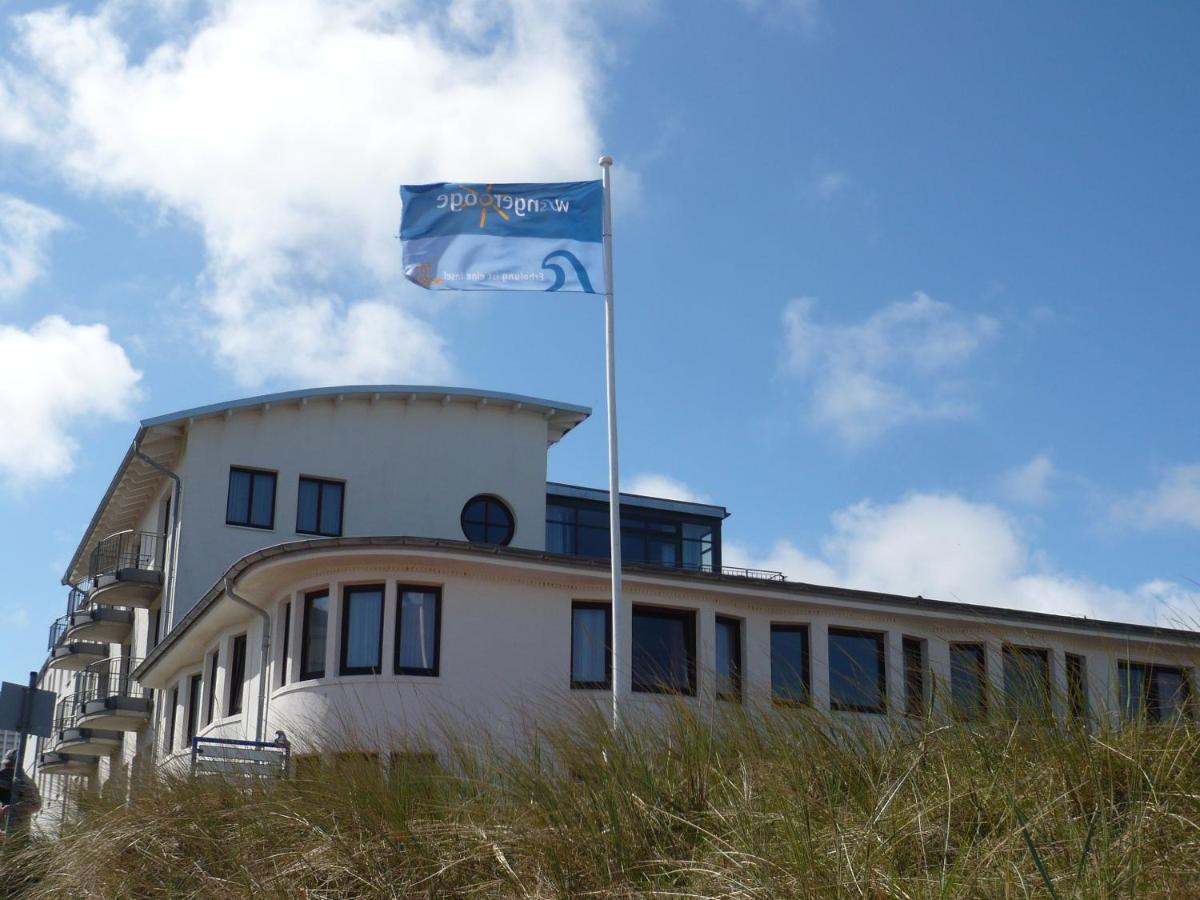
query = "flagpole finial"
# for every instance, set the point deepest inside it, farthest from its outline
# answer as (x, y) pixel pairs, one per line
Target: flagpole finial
(606, 161)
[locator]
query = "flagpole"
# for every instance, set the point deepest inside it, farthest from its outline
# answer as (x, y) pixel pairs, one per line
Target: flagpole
(614, 484)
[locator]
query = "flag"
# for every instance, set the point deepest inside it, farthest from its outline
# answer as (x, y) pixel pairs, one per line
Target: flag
(504, 237)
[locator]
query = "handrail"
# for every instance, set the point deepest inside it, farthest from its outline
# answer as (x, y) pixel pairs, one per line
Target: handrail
(736, 571)
(110, 677)
(65, 713)
(126, 550)
(58, 631)
(77, 600)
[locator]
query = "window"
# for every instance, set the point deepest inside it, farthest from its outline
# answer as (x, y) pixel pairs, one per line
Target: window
(319, 506)
(362, 630)
(789, 664)
(237, 675)
(857, 675)
(418, 630)
(729, 658)
(169, 733)
(212, 687)
(486, 520)
(193, 710)
(1026, 682)
(285, 650)
(1077, 700)
(914, 677)
(580, 528)
(312, 637)
(251, 498)
(663, 659)
(577, 531)
(155, 625)
(1159, 693)
(968, 680)
(591, 645)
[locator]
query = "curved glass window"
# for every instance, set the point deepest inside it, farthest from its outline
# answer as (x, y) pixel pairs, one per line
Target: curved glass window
(486, 520)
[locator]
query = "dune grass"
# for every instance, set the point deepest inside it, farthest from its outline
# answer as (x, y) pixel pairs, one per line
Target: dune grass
(755, 803)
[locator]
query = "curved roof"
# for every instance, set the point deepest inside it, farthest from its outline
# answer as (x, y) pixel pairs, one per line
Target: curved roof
(161, 438)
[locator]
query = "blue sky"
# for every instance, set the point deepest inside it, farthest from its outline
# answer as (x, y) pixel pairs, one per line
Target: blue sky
(912, 291)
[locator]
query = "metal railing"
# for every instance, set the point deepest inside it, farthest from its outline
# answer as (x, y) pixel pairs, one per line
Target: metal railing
(65, 713)
(126, 550)
(58, 631)
(108, 678)
(737, 571)
(77, 600)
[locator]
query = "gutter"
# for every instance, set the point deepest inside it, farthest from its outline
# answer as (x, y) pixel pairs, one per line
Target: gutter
(260, 725)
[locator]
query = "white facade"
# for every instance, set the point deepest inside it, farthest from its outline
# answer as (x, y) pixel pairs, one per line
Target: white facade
(501, 632)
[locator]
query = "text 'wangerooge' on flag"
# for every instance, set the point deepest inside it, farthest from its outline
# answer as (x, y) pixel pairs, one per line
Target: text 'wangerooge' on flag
(504, 237)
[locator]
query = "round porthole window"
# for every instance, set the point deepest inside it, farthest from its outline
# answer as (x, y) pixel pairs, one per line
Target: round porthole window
(487, 520)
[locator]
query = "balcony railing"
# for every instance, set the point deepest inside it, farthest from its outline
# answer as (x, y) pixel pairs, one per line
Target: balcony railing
(58, 631)
(77, 599)
(65, 714)
(106, 679)
(140, 550)
(736, 571)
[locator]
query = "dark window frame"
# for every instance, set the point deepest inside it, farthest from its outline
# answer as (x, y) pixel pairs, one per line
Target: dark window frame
(344, 643)
(1075, 665)
(307, 669)
(286, 641)
(1150, 700)
(237, 675)
(510, 524)
(213, 661)
(432, 671)
(606, 684)
(321, 484)
(193, 710)
(154, 626)
(806, 664)
(688, 616)
(916, 703)
(735, 676)
(880, 639)
(246, 470)
(984, 681)
(1012, 654)
(169, 737)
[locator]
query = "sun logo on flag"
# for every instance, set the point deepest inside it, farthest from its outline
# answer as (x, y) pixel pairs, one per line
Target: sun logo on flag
(486, 201)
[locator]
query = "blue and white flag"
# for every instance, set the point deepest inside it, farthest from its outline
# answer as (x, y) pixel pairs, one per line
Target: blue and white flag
(504, 237)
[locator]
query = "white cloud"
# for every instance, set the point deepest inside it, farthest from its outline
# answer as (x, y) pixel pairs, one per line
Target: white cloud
(25, 232)
(283, 128)
(1173, 502)
(653, 484)
(897, 366)
(944, 547)
(1029, 484)
(54, 377)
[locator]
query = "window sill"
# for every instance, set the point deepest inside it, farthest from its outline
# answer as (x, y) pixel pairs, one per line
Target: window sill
(258, 528)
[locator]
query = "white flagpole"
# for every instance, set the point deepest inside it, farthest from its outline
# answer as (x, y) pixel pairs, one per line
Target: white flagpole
(614, 482)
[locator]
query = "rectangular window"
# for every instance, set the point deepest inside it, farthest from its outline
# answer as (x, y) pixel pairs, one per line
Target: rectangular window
(1159, 693)
(789, 664)
(968, 680)
(914, 677)
(418, 629)
(1077, 699)
(313, 634)
(319, 506)
(591, 645)
(193, 710)
(663, 659)
(212, 687)
(857, 674)
(155, 625)
(169, 734)
(1026, 682)
(729, 658)
(251, 500)
(237, 674)
(285, 650)
(362, 630)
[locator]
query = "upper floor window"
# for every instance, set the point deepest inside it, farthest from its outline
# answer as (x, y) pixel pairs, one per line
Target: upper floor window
(212, 686)
(418, 629)
(251, 500)
(789, 664)
(237, 674)
(313, 634)
(169, 724)
(664, 650)
(968, 680)
(580, 528)
(857, 674)
(193, 709)
(1026, 682)
(577, 530)
(286, 649)
(591, 643)
(1159, 693)
(319, 506)
(486, 520)
(362, 629)
(729, 658)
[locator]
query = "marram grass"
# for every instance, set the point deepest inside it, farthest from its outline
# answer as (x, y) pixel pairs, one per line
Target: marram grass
(770, 803)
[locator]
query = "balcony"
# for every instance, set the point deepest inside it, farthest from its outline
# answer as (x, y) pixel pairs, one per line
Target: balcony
(51, 762)
(107, 697)
(126, 569)
(69, 654)
(71, 740)
(89, 622)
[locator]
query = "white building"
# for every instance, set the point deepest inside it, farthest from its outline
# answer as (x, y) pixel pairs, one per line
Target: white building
(366, 561)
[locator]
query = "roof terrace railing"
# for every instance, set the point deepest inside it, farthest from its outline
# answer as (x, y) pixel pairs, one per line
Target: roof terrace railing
(58, 631)
(109, 678)
(736, 571)
(126, 550)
